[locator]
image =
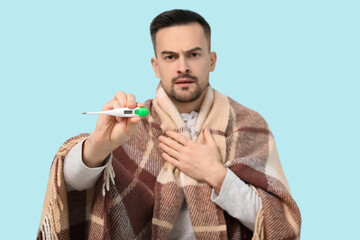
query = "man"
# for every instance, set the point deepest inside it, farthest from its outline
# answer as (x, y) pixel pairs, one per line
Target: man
(199, 166)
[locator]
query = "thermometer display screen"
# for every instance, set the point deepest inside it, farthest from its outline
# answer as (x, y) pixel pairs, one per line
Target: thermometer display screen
(128, 112)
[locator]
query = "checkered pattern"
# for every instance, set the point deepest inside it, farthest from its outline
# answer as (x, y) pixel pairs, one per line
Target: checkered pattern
(147, 194)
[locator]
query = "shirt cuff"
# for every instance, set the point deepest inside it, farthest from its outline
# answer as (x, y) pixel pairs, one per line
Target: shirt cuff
(77, 175)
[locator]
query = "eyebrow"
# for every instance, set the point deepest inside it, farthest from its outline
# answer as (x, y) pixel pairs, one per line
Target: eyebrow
(188, 51)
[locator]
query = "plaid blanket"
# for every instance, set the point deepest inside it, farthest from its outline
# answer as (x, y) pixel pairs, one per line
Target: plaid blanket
(139, 195)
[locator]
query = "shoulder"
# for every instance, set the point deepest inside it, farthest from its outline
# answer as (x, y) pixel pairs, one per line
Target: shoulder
(243, 116)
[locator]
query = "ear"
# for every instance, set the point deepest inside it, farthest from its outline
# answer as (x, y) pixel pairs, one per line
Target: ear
(213, 59)
(155, 66)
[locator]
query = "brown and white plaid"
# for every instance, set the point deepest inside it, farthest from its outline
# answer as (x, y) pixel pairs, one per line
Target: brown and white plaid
(139, 195)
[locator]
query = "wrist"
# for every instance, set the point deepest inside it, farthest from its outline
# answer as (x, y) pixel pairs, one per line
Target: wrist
(216, 179)
(94, 154)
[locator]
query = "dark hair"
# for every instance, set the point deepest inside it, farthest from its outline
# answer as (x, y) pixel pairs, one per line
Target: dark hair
(177, 17)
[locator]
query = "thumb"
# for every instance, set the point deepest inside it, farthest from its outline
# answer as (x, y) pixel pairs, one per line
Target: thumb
(208, 137)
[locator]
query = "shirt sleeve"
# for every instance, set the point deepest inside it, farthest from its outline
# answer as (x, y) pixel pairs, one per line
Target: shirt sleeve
(77, 175)
(238, 199)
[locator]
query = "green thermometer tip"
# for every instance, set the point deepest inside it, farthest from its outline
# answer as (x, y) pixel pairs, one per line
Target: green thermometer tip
(142, 112)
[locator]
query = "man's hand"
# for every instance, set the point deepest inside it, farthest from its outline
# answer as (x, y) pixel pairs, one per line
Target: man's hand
(199, 161)
(110, 132)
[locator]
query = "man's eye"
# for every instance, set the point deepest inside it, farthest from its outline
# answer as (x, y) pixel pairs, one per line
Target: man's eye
(169, 57)
(194, 54)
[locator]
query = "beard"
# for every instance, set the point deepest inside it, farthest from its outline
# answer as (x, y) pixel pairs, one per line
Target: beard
(185, 94)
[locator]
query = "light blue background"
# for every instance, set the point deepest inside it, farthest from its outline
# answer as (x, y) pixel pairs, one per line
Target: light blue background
(295, 62)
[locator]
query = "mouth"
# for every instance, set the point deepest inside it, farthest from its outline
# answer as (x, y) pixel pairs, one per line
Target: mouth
(184, 82)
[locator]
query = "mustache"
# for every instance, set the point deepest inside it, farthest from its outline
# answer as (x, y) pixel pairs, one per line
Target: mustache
(185, 75)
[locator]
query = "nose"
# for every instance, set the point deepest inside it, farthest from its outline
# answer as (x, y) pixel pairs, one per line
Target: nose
(183, 66)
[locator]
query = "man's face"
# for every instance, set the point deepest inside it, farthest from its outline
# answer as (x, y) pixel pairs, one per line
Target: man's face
(183, 61)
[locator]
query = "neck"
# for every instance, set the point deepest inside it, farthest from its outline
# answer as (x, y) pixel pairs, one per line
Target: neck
(188, 107)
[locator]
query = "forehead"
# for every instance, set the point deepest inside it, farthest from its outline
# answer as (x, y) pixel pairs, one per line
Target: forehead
(181, 38)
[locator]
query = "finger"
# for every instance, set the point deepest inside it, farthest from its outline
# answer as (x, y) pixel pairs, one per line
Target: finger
(178, 137)
(116, 105)
(120, 97)
(171, 143)
(132, 123)
(112, 104)
(170, 151)
(139, 104)
(134, 119)
(131, 103)
(171, 160)
(208, 137)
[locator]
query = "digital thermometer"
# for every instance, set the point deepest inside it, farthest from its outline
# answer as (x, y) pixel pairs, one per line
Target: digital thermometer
(124, 112)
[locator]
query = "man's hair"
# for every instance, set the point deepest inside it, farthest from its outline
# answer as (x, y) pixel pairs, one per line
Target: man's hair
(177, 17)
